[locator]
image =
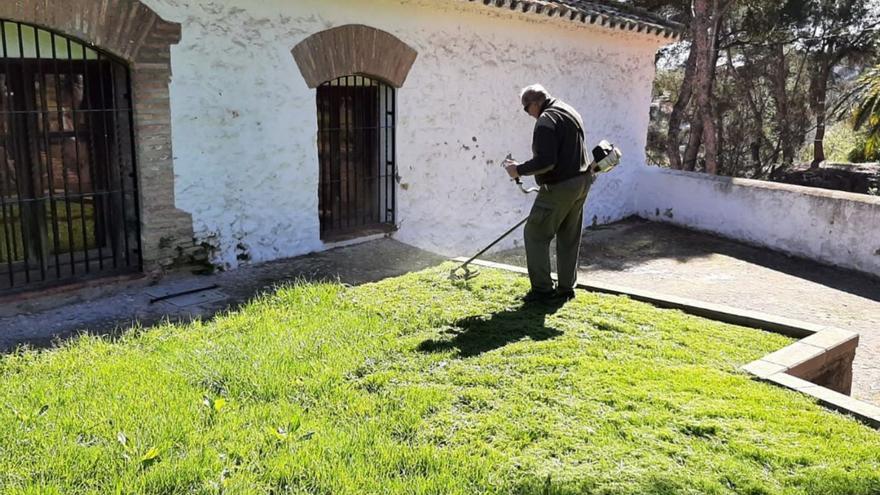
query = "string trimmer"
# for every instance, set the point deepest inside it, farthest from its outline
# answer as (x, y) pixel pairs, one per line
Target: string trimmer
(469, 273)
(605, 157)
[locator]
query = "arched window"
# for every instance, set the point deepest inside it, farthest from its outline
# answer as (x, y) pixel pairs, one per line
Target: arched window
(356, 149)
(68, 199)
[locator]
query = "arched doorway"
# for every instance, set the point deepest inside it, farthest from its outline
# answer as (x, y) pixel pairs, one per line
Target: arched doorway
(68, 185)
(356, 152)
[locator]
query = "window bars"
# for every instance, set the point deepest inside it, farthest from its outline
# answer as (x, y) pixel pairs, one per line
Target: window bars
(356, 150)
(68, 188)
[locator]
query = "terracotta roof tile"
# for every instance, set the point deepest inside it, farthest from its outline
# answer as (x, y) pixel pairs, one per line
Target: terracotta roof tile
(610, 14)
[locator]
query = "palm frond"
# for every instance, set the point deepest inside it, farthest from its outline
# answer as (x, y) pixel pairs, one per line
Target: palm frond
(866, 112)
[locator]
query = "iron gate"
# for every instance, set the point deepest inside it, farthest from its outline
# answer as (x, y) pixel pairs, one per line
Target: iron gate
(68, 189)
(356, 150)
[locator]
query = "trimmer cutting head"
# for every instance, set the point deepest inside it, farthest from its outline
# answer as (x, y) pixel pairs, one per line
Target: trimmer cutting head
(463, 272)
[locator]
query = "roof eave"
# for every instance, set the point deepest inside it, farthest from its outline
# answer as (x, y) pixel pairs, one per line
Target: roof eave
(671, 32)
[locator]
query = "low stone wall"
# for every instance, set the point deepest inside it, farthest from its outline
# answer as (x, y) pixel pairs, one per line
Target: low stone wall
(824, 358)
(862, 178)
(833, 227)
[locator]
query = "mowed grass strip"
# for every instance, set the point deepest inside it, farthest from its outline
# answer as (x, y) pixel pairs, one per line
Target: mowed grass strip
(421, 385)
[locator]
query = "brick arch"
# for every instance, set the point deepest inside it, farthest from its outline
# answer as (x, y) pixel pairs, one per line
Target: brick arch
(353, 49)
(127, 29)
(134, 33)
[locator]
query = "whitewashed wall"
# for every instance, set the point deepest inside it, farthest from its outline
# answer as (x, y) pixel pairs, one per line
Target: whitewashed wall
(244, 121)
(833, 227)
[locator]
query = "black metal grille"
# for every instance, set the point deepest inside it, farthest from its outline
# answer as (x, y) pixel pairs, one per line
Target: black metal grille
(356, 149)
(68, 190)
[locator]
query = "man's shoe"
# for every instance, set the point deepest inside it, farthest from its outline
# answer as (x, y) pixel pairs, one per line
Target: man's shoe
(539, 296)
(565, 294)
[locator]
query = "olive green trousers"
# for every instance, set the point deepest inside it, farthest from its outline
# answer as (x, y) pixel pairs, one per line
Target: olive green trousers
(558, 212)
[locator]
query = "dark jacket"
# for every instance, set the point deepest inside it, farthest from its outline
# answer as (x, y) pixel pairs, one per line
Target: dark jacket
(557, 145)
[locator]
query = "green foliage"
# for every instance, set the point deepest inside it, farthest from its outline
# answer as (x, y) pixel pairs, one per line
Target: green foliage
(781, 65)
(842, 144)
(866, 113)
(867, 149)
(420, 385)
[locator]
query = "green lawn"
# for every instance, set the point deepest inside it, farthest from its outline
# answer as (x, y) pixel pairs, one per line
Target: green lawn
(12, 244)
(418, 385)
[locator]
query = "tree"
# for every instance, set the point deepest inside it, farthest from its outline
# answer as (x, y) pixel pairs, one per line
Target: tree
(679, 11)
(867, 108)
(706, 24)
(756, 74)
(832, 31)
(766, 70)
(678, 110)
(704, 19)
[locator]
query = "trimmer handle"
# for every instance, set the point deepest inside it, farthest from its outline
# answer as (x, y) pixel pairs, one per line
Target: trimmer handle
(524, 189)
(518, 180)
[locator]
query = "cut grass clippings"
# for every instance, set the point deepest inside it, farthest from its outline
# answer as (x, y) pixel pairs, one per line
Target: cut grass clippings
(420, 385)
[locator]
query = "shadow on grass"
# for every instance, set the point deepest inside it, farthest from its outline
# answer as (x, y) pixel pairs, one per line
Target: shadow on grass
(475, 335)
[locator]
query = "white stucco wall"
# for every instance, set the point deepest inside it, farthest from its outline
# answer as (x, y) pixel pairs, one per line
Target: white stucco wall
(833, 227)
(244, 121)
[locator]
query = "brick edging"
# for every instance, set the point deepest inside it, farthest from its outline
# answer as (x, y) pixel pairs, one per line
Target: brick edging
(818, 348)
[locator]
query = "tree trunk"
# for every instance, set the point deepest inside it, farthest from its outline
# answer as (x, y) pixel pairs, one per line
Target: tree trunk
(710, 139)
(758, 139)
(718, 117)
(818, 90)
(695, 138)
(705, 24)
(700, 49)
(708, 106)
(778, 77)
(755, 152)
(818, 105)
(673, 145)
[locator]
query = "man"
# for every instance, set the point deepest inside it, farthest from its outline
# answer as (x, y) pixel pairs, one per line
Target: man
(560, 166)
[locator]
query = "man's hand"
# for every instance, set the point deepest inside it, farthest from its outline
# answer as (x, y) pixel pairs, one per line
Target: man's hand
(510, 167)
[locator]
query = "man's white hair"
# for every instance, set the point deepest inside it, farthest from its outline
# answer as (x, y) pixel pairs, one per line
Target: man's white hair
(534, 93)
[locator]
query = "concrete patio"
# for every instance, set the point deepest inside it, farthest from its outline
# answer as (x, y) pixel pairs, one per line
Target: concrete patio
(633, 253)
